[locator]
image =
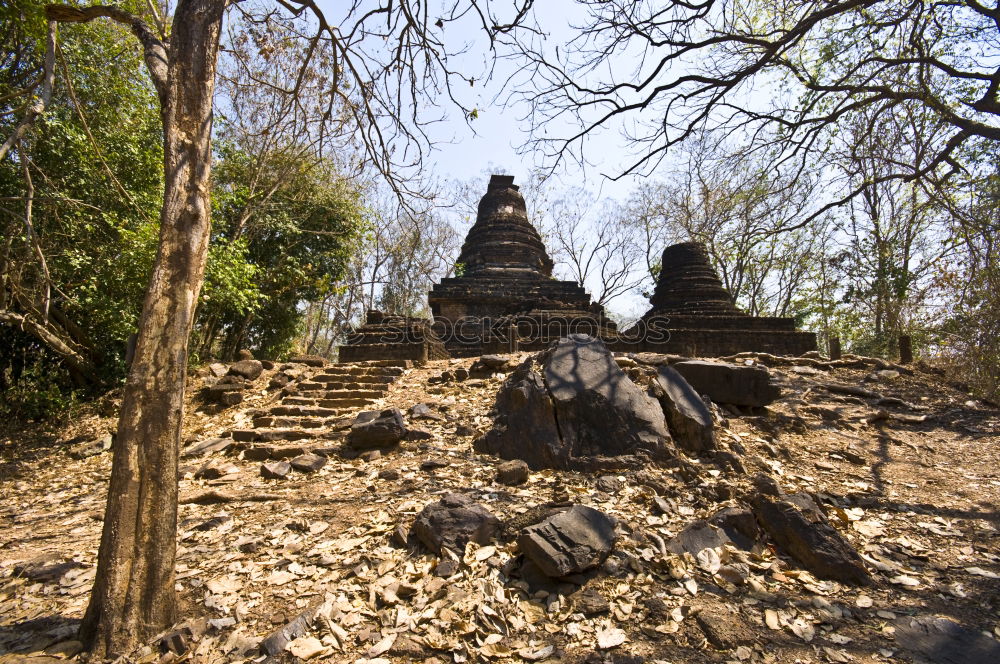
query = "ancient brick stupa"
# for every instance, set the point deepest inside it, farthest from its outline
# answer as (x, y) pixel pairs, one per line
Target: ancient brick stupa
(504, 285)
(692, 313)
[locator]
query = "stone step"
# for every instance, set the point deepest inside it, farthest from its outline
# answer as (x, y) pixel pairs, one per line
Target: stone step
(367, 379)
(309, 386)
(403, 364)
(298, 410)
(271, 435)
(272, 422)
(265, 452)
(341, 371)
(314, 398)
(345, 402)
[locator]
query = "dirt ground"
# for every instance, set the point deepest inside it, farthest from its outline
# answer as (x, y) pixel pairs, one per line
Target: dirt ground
(911, 476)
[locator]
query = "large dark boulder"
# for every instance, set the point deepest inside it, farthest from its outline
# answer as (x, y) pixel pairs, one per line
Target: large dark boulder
(453, 522)
(689, 418)
(730, 383)
(525, 424)
(571, 402)
(377, 430)
(570, 542)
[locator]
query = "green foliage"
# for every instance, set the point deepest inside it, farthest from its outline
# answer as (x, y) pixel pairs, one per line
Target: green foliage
(283, 226)
(97, 196)
(33, 382)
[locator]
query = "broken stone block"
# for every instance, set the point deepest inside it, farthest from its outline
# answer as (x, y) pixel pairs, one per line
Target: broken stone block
(513, 472)
(276, 470)
(809, 539)
(308, 463)
(249, 369)
(377, 430)
(688, 417)
(730, 383)
(309, 360)
(207, 446)
(570, 542)
(453, 522)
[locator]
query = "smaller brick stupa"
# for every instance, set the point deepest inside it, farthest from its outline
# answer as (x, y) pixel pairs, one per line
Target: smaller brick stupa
(693, 314)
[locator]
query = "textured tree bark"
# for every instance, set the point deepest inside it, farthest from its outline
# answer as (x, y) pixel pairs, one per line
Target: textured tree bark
(133, 596)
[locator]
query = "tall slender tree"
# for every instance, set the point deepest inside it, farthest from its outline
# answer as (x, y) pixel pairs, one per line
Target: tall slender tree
(381, 90)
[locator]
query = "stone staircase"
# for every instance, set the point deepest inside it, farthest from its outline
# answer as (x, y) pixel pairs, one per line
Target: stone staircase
(318, 409)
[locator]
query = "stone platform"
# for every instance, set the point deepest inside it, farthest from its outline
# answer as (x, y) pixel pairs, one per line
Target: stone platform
(385, 337)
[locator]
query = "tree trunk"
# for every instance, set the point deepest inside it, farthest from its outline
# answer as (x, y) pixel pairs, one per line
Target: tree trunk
(133, 596)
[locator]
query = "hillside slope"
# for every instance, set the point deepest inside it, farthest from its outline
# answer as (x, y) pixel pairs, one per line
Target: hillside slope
(908, 469)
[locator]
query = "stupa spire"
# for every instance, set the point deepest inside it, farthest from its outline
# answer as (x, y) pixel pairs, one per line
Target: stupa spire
(503, 241)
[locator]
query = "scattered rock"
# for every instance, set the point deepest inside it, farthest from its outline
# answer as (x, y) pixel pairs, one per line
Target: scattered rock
(389, 474)
(570, 542)
(730, 383)
(461, 374)
(279, 380)
(276, 470)
(308, 463)
(590, 602)
(446, 568)
(696, 536)
(380, 430)
(218, 369)
(276, 642)
(422, 411)
(600, 411)
(687, 415)
(608, 484)
(724, 629)
(370, 455)
(453, 522)
(936, 640)
(406, 649)
(464, 430)
(430, 465)
(808, 538)
(487, 365)
(214, 469)
(249, 369)
(513, 472)
(418, 434)
(739, 525)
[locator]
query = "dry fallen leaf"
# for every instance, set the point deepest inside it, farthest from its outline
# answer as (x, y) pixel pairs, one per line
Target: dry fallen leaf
(803, 629)
(771, 619)
(610, 637)
(536, 654)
